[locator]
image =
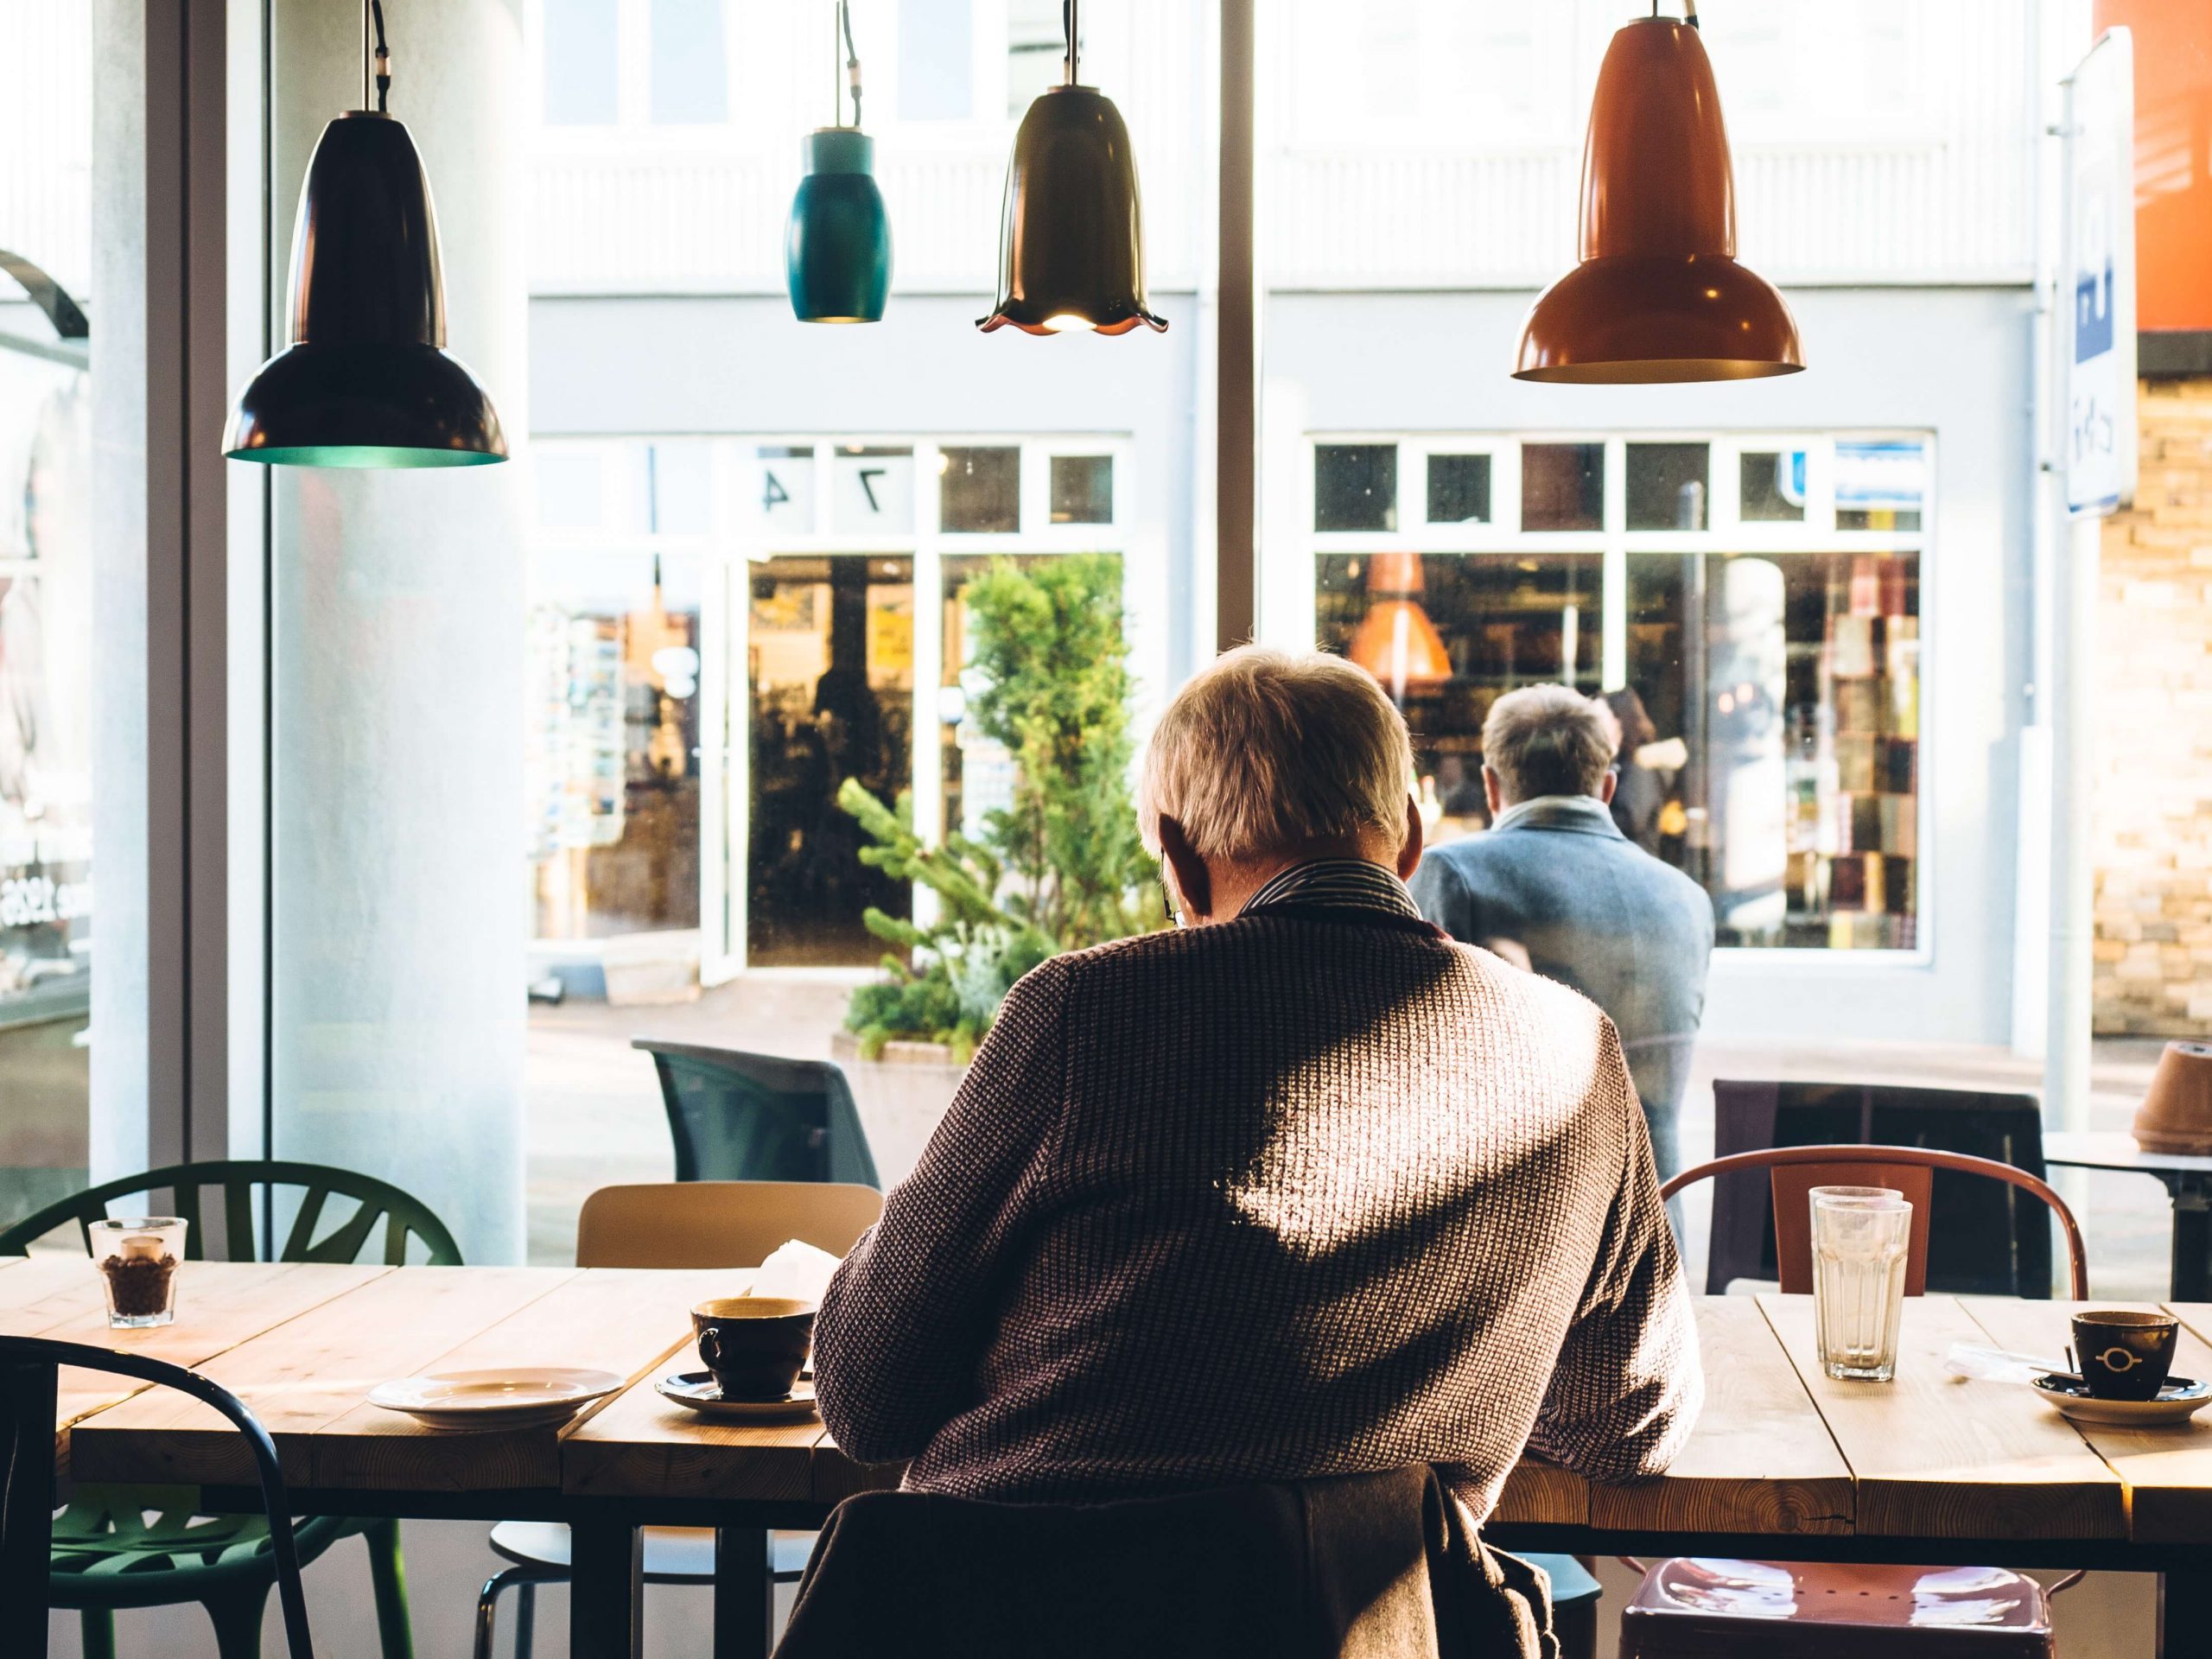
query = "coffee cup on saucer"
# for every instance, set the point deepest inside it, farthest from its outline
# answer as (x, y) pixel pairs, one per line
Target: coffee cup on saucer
(2124, 1355)
(753, 1345)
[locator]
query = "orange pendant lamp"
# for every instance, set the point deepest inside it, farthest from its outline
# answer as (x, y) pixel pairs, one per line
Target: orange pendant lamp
(1658, 296)
(1396, 641)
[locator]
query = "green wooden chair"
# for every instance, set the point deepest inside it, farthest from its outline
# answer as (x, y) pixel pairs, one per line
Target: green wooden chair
(107, 1553)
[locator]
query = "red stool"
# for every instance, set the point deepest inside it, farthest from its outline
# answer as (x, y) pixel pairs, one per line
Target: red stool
(1694, 1608)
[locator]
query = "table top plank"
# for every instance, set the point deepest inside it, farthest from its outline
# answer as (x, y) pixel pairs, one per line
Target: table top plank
(640, 1445)
(2167, 1471)
(1760, 1460)
(625, 1321)
(45, 1291)
(2111, 1149)
(304, 1373)
(1936, 1457)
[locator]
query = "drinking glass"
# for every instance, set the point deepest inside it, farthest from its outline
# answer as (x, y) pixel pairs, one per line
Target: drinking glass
(138, 1257)
(1861, 1237)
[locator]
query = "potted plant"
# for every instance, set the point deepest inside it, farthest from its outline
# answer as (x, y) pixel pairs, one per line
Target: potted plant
(1059, 867)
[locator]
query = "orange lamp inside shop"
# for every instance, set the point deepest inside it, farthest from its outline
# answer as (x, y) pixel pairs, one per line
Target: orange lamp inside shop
(1396, 641)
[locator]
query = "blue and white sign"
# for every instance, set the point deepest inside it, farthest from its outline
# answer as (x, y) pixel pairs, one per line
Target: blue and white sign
(2098, 279)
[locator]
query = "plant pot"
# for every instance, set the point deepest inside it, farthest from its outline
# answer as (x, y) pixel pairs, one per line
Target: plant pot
(2176, 1116)
(901, 1098)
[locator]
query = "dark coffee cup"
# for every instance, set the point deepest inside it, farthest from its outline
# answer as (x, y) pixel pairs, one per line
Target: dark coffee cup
(2124, 1356)
(754, 1345)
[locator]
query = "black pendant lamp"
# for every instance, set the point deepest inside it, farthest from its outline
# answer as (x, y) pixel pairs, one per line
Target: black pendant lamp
(1072, 237)
(366, 380)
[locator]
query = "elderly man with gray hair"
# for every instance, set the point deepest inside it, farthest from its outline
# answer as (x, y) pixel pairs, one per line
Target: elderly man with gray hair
(1555, 885)
(1299, 1188)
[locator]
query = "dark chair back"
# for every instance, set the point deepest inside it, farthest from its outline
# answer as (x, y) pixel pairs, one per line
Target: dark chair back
(29, 1367)
(248, 1187)
(1987, 1238)
(735, 1116)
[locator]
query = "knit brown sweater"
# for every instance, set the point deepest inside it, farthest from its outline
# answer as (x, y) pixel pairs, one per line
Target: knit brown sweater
(1314, 1191)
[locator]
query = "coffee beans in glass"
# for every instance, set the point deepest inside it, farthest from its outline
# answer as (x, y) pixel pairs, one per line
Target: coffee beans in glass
(138, 1257)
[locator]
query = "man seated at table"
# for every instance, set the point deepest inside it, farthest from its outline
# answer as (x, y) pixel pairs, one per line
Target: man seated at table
(1303, 1188)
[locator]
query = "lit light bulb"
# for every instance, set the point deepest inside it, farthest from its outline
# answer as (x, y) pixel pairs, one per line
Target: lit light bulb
(1066, 323)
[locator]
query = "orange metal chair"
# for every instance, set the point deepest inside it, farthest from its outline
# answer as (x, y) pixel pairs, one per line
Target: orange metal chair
(1696, 1608)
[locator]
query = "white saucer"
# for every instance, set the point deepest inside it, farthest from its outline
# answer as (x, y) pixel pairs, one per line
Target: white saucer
(2177, 1403)
(695, 1391)
(534, 1396)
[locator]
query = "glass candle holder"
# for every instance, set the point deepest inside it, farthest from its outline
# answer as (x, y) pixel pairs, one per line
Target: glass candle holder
(1861, 1235)
(138, 1257)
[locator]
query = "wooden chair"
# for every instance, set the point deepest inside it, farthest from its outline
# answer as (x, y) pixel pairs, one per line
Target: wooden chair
(1689, 1609)
(735, 1116)
(30, 1368)
(677, 1224)
(106, 1556)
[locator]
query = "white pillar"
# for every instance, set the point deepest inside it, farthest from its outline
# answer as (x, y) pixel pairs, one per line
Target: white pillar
(396, 962)
(2074, 640)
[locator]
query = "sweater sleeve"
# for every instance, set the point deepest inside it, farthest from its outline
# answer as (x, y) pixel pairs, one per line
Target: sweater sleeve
(908, 1315)
(1628, 1386)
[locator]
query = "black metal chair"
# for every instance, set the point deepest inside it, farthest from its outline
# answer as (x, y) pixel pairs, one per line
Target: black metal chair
(735, 1116)
(29, 1368)
(1986, 1239)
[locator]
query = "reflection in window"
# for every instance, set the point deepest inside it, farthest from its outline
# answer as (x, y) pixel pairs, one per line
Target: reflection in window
(1666, 485)
(1772, 490)
(874, 490)
(690, 81)
(787, 487)
(1083, 489)
(978, 770)
(1458, 489)
(1356, 486)
(1784, 695)
(979, 491)
(1562, 485)
(1036, 48)
(579, 63)
(1880, 486)
(937, 62)
(830, 669)
(1447, 633)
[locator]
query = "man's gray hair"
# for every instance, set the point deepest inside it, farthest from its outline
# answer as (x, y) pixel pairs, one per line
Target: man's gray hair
(1549, 740)
(1264, 750)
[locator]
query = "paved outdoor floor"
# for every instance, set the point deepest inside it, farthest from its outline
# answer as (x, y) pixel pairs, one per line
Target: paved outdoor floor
(595, 1114)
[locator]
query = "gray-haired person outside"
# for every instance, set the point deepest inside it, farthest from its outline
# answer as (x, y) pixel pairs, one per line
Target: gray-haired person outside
(1554, 876)
(1298, 1188)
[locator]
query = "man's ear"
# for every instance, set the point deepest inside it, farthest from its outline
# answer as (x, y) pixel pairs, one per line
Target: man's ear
(1493, 790)
(1409, 854)
(1607, 784)
(1193, 885)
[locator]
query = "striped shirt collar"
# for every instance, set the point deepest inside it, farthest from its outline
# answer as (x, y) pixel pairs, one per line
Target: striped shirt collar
(1334, 883)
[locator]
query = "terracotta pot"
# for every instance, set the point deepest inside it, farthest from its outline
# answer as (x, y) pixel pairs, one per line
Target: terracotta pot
(2176, 1116)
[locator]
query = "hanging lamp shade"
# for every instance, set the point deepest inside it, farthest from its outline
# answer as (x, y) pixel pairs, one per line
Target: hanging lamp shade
(1071, 235)
(1396, 641)
(366, 380)
(837, 247)
(1658, 295)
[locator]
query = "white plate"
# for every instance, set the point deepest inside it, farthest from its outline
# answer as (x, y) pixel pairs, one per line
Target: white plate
(526, 1397)
(2174, 1404)
(695, 1391)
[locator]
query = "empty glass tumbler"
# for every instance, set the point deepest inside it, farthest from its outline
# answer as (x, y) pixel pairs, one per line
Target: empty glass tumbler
(1860, 1238)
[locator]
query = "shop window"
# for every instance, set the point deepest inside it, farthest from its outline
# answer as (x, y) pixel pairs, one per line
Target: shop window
(978, 771)
(1879, 486)
(1447, 633)
(873, 491)
(1562, 485)
(682, 494)
(787, 487)
(1083, 489)
(1356, 486)
(691, 79)
(1782, 694)
(979, 491)
(937, 61)
(581, 89)
(1667, 485)
(1458, 489)
(571, 488)
(1771, 488)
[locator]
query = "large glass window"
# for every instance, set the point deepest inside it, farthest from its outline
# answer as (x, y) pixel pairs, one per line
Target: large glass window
(582, 84)
(690, 77)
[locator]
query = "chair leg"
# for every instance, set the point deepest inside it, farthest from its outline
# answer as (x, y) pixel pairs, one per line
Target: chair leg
(98, 1626)
(527, 1578)
(236, 1615)
(525, 1619)
(388, 1578)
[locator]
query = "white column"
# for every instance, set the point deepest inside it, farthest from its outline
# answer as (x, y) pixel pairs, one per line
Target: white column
(397, 960)
(2074, 781)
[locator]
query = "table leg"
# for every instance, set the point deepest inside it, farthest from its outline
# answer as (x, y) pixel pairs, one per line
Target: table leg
(2184, 1610)
(745, 1592)
(26, 1505)
(606, 1605)
(2191, 1277)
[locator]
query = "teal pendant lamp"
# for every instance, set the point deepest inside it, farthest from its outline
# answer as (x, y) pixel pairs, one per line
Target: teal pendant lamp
(366, 381)
(838, 248)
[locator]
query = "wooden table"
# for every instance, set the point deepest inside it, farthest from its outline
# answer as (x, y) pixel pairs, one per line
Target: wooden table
(2188, 1181)
(1784, 1464)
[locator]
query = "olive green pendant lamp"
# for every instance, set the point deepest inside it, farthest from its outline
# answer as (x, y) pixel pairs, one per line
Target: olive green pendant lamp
(1072, 237)
(837, 246)
(1658, 296)
(366, 380)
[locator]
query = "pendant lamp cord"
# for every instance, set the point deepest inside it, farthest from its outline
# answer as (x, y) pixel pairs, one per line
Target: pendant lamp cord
(852, 59)
(383, 60)
(1068, 28)
(1689, 13)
